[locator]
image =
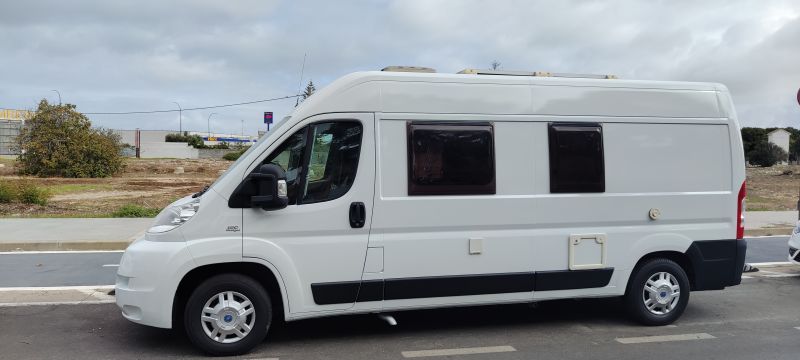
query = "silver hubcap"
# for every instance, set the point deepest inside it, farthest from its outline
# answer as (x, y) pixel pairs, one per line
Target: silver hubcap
(661, 293)
(228, 317)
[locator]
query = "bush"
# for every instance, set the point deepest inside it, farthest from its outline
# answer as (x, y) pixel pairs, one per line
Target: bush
(32, 194)
(7, 193)
(233, 156)
(135, 211)
(178, 137)
(59, 141)
(766, 154)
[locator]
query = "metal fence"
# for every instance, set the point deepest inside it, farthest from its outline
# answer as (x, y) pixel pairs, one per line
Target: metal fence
(9, 129)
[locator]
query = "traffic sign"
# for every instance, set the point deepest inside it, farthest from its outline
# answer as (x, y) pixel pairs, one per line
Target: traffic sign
(267, 117)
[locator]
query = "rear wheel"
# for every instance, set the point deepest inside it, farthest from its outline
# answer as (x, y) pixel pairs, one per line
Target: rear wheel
(658, 292)
(228, 314)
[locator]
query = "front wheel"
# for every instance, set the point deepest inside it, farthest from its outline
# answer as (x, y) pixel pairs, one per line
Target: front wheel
(657, 293)
(228, 314)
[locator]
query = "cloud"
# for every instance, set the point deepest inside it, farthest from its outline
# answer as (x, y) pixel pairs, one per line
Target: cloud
(117, 56)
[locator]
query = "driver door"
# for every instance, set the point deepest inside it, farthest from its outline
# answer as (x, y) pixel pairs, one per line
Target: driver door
(329, 162)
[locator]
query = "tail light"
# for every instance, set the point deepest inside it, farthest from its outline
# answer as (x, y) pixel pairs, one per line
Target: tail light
(740, 212)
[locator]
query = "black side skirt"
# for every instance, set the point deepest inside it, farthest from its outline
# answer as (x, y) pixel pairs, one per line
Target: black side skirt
(458, 285)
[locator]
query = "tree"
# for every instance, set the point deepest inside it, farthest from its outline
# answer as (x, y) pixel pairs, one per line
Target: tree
(59, 141)
(752, 137)
(766, 154)
(310, 90)
(495, 65)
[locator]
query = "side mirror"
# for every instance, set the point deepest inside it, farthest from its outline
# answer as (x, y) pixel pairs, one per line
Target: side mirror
(265, 187)
(272, 191)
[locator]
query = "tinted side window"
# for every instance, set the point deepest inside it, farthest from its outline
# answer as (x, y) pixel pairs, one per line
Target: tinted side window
(576, 158)
(335, 149)
(450, 159)
(290, 157)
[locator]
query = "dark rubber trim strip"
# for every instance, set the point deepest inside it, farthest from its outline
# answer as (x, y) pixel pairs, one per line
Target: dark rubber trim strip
(458, 285)
(572, 279)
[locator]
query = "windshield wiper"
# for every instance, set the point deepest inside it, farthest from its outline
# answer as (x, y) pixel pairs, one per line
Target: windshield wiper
(201, 192)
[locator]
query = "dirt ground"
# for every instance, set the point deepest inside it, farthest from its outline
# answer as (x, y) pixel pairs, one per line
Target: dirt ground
(152, 183)
(773, 188)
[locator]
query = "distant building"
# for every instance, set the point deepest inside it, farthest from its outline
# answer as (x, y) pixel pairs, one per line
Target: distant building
(11, 121)
(780, 137)
(153, 144)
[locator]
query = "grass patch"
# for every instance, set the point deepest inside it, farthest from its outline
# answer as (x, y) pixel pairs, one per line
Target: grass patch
(31, 194)
(135, 211)
(7, 193)
(73, 188)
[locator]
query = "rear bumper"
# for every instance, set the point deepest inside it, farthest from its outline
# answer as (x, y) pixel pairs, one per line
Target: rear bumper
(717, 263)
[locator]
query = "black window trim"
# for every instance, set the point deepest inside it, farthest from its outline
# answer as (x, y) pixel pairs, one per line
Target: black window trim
(465, 190)
(307, 158)
(552, 129)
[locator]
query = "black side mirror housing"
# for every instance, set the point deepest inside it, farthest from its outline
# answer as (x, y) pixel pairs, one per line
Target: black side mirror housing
(265, 188)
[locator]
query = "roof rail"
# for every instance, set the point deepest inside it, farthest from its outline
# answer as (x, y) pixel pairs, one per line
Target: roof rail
(534, 73)
(418, 69)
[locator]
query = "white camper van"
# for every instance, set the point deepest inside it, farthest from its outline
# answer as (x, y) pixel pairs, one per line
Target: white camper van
(408, 189)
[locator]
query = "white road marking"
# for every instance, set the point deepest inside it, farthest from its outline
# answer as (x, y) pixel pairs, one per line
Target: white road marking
(59, 252)
(111, 265)
(765, 236)
(775, 263)
(798, 328)
(664, 338)
(458, 351)
(58, 288)
(51, 303)
(746, 277)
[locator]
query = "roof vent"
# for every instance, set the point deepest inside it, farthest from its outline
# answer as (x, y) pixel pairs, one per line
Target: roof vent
(534, 73)
(417, 69)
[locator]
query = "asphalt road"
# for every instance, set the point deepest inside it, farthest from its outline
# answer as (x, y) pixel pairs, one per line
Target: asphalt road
(97, 268)
(767, 249)
(756, 320)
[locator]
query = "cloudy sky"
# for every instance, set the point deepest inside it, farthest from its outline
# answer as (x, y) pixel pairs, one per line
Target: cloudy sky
(108, 56)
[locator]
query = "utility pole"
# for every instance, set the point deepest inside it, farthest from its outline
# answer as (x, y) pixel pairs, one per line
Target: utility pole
(242, 120)
(180, 118)
(59, 96)
(209, 123)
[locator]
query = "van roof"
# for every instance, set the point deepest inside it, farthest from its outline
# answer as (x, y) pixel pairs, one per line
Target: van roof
(420, 92)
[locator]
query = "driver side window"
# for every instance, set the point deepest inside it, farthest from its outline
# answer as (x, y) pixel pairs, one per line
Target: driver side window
(290, 157)
(320, 161)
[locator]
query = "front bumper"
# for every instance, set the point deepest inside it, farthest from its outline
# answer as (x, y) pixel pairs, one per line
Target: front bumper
(794, 249)
(148, 276)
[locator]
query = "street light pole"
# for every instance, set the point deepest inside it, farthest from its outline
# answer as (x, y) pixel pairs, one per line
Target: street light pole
(180, 117)
(209, 123)
(59, 96)
(242, 120)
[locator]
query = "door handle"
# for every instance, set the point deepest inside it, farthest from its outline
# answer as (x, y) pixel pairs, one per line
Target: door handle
(358, 215)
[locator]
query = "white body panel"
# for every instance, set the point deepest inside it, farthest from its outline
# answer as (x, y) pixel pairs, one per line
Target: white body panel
(794, 243)
(670, 146)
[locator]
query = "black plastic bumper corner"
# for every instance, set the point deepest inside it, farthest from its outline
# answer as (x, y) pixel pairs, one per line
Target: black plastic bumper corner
(717, 263)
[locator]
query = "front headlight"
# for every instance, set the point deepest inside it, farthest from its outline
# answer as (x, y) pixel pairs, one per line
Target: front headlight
(175, 215)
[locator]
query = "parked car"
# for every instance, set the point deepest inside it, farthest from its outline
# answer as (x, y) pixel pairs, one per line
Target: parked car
(408, 189)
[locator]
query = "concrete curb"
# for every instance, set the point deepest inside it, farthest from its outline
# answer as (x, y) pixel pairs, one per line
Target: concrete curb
(768, 231)
(65, 246)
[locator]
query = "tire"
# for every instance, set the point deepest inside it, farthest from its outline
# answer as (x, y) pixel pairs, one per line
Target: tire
(239, 302)
(658, 305)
